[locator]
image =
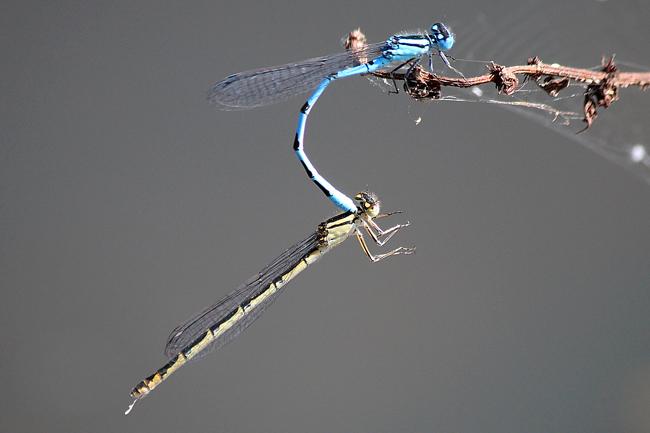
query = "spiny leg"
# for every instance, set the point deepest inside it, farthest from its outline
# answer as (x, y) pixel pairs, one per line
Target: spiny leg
(375, 259)
(444, 59)
(406, 75)
(380, 232)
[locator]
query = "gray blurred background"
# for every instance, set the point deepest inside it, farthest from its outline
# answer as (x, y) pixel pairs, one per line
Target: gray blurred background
(128, 203)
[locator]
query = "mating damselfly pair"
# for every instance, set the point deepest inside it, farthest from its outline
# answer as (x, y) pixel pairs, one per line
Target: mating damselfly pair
(220, 323)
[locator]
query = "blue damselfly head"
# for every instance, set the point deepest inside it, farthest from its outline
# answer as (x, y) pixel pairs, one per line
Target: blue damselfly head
(442, 36)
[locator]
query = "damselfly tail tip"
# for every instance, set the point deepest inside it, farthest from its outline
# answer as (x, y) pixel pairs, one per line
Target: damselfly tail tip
(128, 411)
(141, 390)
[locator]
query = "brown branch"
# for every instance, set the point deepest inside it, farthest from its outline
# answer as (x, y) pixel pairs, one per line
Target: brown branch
(506, 81)
(601, 86)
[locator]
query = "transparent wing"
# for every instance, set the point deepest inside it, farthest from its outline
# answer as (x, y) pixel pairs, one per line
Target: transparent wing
(268, 86)
(185, 335)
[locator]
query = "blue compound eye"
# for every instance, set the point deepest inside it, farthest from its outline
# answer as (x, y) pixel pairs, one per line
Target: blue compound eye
(442, 36)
